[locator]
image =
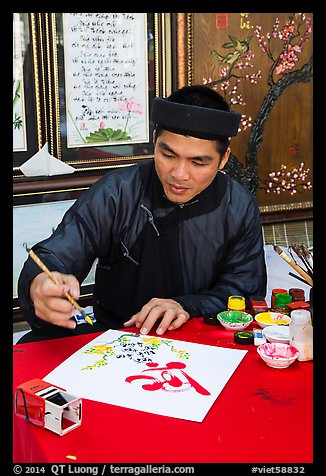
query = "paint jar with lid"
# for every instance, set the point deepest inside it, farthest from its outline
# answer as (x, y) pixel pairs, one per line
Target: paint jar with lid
(236, 303)
(281, 300)
(258, 304)
(297, 294)
(277, 291)
(301, 334)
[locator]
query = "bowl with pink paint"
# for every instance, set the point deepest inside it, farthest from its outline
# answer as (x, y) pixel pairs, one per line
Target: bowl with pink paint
(278, 355)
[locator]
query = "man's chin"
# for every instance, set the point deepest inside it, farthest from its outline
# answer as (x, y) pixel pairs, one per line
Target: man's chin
(177, 199)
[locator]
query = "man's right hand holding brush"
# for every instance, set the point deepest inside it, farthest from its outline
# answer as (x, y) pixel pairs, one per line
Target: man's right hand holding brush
(49, 299)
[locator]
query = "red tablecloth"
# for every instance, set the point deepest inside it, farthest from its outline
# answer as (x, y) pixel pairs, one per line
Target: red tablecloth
(263, 415)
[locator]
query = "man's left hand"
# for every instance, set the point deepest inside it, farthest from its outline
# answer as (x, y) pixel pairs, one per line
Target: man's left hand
(171, 312)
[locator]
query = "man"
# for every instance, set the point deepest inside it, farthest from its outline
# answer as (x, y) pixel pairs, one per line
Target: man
(174, 237)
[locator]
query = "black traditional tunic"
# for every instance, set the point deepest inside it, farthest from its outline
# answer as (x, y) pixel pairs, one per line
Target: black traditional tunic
(198, 253)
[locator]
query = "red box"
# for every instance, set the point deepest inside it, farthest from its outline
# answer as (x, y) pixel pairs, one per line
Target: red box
(298, 305)
(47, 406)
(258, 304)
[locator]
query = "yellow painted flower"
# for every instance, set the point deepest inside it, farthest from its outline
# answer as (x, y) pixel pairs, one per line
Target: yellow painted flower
(100, 349)
(151, 340)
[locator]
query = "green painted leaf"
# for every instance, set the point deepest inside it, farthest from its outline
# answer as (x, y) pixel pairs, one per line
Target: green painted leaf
(108, 135)
(228, 45)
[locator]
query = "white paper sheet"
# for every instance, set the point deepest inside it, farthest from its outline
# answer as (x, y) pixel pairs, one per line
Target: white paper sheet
(44, 164)
(152, 374)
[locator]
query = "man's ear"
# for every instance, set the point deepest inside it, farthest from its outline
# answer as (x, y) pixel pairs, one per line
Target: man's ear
(224, 159)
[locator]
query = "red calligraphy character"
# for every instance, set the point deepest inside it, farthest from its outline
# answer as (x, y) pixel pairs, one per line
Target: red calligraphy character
(169, 379)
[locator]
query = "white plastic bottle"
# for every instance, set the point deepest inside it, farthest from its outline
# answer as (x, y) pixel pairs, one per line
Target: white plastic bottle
(301, 333)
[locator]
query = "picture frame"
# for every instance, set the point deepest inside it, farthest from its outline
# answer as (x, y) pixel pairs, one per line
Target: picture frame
(90, 158)
(28, 108)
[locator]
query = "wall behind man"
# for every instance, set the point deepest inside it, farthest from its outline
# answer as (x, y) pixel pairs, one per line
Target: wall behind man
(278, 89)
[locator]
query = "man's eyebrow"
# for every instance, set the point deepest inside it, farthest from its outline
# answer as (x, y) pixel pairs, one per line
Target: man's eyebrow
(164, 146)
(201, 158)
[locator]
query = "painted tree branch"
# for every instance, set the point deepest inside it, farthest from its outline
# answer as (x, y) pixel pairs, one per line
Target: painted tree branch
(250, 177)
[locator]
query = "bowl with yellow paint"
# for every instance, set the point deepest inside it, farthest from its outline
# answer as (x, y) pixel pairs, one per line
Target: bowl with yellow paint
(270, 318)
(278, 355)
(234, 320)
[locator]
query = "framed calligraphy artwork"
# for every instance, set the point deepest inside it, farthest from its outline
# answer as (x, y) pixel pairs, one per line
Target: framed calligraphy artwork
(106, 79)
(163, 376)
(106, 70)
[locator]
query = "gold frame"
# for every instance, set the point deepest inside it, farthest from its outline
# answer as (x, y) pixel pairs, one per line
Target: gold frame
(184, 37)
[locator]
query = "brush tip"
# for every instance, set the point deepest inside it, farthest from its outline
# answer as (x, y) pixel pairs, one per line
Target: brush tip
(277, 249)
(86, 317)
(26, 247)
(89, 320)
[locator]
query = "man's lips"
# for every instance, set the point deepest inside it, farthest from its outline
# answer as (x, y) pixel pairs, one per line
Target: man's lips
(177, 188)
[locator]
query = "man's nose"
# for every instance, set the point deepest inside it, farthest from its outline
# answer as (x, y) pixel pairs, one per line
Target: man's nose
(181, 171)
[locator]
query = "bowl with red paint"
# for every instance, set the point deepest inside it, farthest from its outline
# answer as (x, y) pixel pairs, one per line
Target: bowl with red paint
(278, 355)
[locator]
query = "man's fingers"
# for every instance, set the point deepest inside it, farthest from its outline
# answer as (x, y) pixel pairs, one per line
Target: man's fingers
(67, 283)
(140, 316)
(167, 312)
(145, 310)
(57, 318)
(50, 299)
(154, 314)
(181, 319)
(131, 321)
(60, 305)
(69, 324)
(168, 317)
(73, 285)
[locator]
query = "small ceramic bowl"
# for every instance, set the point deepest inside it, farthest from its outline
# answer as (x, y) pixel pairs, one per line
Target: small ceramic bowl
(269, 318)
(278, 355)
(234, 320)
(277, 333)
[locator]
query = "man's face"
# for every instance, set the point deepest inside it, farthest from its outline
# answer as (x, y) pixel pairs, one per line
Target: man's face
(186, 165)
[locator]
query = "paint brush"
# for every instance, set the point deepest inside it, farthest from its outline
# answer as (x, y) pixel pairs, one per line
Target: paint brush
(300, 279)
(55, 281)
(296, 248)
(307, 255)
(293, 264)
